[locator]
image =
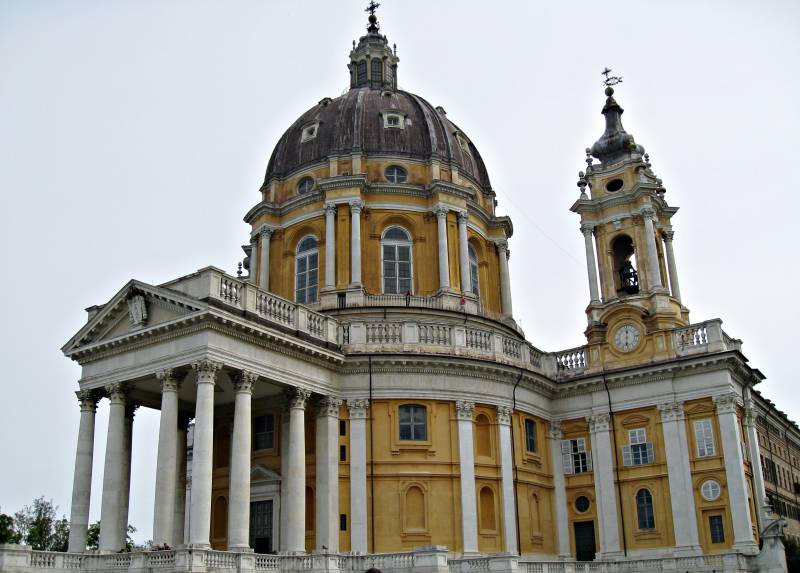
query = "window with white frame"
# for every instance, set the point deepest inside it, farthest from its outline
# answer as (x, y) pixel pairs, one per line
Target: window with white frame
(395, 174)
(413, 422)
(306, 271)
(393, 119)
(396, 253)
(644, 510)
(704, 438)
(305, 185)
(474, 278)
(638, 451)
(574, 457)
(309, 132)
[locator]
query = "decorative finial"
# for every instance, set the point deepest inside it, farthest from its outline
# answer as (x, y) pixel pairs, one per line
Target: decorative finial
(610, 81)
(589, 159)
(582, 184)
(373, 19)
(647, 160)
(239, 271)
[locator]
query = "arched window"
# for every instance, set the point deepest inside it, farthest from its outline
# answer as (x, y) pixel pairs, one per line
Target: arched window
(305, 186)
(626, 278)
(413, 422)
(474, 279)
(483, 440)
(644, 509)
(362, 73)
(376, 72)
(396, 249)
(486, 502)
(395, 174)
(306, 271)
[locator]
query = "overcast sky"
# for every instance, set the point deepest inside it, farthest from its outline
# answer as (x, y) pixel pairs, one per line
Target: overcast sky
(134, 137)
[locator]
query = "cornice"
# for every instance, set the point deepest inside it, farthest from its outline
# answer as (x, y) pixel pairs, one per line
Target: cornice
(641, 190)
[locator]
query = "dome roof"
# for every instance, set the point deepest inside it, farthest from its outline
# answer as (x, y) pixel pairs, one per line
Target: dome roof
(355, 122)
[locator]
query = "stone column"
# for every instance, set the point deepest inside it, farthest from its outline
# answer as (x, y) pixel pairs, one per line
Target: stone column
(444, 265)
(283, 539)
(125, 492)
(253, 270)
(591, 262)
(112, 472)
(179, 520)
(672, 267)
(327, 479)
(734, 472)
(466, 460)
(355, 242)
(504, 417)
(679, 472)
(263, 265)
(505, 280)
(241, 448)
(759, 491)
(202, 455)
(560, 490)
(82, 480)
(463, 252)
(605, 492)
(358, 474)
(166, 461)
(653, 271)
(296, 486)
(330, 245)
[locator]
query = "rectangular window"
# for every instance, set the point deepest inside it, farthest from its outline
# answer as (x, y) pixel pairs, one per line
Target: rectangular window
(638, 451)
(704, 437)
(716, 529)
(342, 522)
(264, 432)
(574, 457)
(413, 422)
(530, 435)
(342, 427)
(342, 453)
(396, 269)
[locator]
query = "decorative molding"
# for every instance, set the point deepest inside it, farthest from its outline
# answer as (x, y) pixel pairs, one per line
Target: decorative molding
(672, 411)
(587, 228)
(668, 234)
(168, 381)
(245, 381)
(297, 398)
(265, 231)
(727, 403)
(463, 217)
(356, 207)
(358, 407)
(599, 422)
(440, 210)
(330, 209)
(504, 415)
(328, 407)
(556, 431)
(206, 370)
(117, 393)
(465, 410)
(87, 400)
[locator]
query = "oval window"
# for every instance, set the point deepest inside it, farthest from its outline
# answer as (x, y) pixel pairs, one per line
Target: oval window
(710, 490)
(395, 174)
(305, 186)
(582, 504)
(614, 185)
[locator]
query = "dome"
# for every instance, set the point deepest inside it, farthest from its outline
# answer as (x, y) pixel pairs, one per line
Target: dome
(357, 122)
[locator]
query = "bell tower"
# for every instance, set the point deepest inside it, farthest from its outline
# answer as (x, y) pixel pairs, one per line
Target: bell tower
(627, 227)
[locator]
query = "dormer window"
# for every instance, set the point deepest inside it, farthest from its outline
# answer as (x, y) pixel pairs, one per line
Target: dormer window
(393, 119)
(309, 132)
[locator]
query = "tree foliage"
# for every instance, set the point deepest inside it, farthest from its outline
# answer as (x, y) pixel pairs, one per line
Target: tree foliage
(8, 534)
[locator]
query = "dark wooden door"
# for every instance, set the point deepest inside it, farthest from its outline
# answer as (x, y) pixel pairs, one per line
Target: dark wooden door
(585, 548)
(261, 526)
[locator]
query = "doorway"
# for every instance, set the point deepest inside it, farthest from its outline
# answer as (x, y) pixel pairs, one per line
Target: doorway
(585, 548)
(261, 526)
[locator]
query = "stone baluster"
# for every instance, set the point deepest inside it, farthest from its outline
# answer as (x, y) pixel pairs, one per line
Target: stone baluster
(672, 267)
(359, 409)
(166, 461)
(466, 460)
(560, 490)
(653, 270)
(355, 242)
(296, 487)
(112, 473)
(265, 233)
(202, 455)
(463, 252)
(441, 212)
(505, 280)
(82, 481)
(241, 447)
(591, 262)
(179, 520)
(605, 492)
(327, 478)
(330, 245)
(504, 418)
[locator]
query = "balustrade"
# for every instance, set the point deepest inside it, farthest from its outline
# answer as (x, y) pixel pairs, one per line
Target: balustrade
(384, 332)
(572, 360)
(435, 334)
(512, 348)
(479, 340)
(277, 309)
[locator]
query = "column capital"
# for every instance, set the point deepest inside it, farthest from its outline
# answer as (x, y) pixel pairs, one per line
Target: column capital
(167, 379)
(504, 415)
(464, 410)
(502, 246)
(328, 407)
(440, 211)
(358, 408)
(599, 422)
(648, 214)
(117, 393)
(206, 370)
(330, 208)
(297, 398)
(556, 431)
(356, 206)
(245, 381)
(750, 415)
(265, 231)
(672, 411)
(587, 229)
(463, 217)
(668, 234)
(87, 400)
(727, 403)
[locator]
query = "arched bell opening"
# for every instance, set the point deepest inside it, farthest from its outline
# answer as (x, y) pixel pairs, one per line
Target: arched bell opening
(626, 278)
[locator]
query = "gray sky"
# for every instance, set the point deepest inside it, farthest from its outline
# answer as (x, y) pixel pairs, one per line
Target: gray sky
(134, 136)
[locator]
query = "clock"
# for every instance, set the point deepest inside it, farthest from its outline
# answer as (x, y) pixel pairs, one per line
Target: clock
(627, 337)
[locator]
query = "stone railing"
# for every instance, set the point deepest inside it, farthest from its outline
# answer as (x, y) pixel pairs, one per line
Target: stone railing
(572, 361)
(212, 284)
(703, 337)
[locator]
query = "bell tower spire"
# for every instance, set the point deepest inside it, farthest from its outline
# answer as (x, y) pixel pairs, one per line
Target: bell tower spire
(627, 229)
(373, 63)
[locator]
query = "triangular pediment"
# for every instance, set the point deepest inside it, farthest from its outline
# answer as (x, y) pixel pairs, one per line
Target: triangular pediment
(135, 308)
(261, 473)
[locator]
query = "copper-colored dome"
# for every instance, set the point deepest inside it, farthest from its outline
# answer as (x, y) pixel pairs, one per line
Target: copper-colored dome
(353, 122)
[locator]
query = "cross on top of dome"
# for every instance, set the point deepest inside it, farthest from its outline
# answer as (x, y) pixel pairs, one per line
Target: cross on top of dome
(373, 19)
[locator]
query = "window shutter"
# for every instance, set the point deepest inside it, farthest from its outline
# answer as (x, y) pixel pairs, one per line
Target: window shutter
(566, 457)
(588, 461)
(627, 457)
(650, 453)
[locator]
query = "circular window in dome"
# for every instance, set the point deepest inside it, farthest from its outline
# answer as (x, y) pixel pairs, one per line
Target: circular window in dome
(305, 186)
(614, 185)
(710, 490)
(395, 174)
(582, 504)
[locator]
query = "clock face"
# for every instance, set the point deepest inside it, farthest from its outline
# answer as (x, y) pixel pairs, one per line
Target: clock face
(627, 338)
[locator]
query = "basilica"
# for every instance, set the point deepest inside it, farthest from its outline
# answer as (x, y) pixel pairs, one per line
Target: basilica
(363, 396)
